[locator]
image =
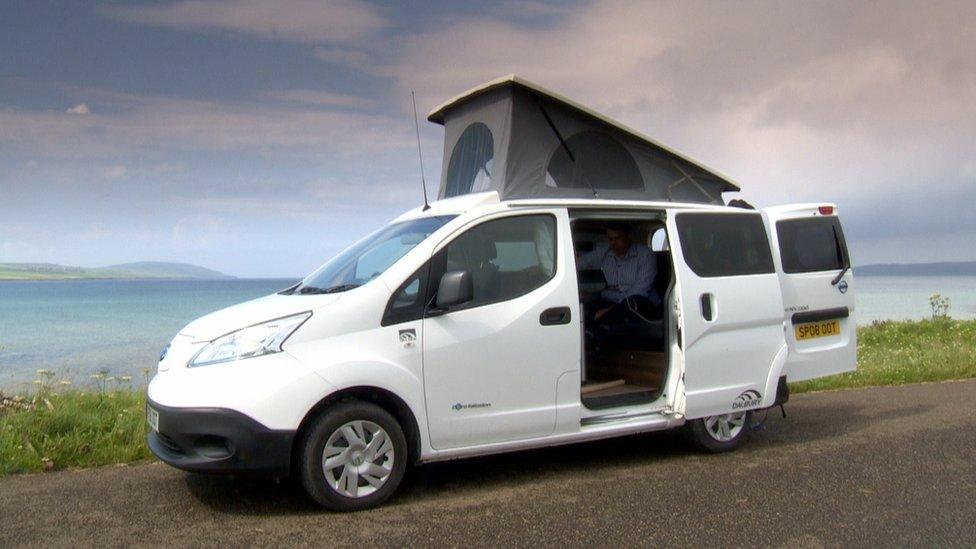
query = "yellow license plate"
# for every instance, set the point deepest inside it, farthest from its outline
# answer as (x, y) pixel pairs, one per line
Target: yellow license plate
(811, 330)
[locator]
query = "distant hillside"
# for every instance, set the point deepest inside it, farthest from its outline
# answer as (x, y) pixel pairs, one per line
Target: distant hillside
(158, 269)
(147, 269)
(961, 268)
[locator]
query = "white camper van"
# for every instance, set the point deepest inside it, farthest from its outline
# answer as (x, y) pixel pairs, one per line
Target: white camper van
(575, 280)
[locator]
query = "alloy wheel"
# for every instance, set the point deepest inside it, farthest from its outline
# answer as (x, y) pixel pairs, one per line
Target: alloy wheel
(725, 427)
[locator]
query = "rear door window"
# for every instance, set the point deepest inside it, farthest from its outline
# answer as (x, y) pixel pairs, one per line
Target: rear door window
(721, 244)
(811, 244)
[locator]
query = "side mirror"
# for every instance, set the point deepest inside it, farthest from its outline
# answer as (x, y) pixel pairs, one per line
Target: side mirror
(456, 287)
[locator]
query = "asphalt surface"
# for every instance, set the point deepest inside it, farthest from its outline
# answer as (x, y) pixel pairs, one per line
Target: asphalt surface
(874, 467)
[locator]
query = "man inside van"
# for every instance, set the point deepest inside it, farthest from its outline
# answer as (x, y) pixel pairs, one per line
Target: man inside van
(629, 270)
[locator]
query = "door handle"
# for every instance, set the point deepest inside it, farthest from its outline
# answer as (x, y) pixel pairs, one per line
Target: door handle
(706, 307)
(555, 316)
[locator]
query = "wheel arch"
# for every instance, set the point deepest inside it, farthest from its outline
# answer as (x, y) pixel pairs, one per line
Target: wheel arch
(772, 379)
(383, 398)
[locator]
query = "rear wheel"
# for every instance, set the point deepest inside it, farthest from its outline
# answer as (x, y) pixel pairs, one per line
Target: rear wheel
(353, 456)
(719, 433)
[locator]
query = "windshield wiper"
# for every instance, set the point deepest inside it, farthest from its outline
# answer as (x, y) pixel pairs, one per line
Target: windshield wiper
(290, 289)
(329, 290)
(839, 276)
(840, 256)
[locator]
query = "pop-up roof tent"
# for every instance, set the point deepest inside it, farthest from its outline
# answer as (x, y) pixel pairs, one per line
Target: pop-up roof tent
(523, 141)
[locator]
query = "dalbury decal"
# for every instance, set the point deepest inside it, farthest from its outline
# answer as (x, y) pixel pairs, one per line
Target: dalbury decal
(408, 338)
(748, 399)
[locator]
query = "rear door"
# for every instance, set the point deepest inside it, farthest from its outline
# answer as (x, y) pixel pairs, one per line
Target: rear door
(818, 290)
(731, 313)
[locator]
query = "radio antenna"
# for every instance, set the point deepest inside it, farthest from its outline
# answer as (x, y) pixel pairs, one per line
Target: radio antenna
(416, 124)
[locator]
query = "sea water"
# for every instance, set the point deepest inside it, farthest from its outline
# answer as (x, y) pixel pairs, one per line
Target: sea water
(903, 297)
(78, 329)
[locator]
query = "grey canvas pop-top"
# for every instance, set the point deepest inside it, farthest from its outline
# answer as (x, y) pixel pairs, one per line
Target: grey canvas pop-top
(524, 141)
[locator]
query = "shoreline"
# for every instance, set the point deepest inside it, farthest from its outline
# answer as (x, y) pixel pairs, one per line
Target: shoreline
(18, 377)
(62, 426)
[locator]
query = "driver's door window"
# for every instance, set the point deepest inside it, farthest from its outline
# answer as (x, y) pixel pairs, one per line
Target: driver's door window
(507, 257)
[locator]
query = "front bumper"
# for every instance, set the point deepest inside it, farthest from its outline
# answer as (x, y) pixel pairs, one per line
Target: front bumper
(218, 440)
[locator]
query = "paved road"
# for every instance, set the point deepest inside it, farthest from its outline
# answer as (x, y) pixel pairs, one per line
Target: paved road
(885, 466)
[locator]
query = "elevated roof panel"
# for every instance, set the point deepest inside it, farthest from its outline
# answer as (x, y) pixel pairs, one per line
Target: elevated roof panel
(437, 116)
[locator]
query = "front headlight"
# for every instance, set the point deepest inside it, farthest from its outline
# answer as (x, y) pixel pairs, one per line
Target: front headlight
(257, 340)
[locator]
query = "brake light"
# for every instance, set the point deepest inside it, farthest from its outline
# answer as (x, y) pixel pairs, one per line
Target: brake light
(826, 210)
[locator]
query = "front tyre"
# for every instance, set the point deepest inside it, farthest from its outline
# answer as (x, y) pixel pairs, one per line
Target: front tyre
(353, 457)
(720, 433)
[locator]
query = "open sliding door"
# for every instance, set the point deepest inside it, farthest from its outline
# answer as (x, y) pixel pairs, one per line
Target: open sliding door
(730, 308)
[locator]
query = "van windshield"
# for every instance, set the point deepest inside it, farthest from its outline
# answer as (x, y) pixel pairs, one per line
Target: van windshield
(370, 257)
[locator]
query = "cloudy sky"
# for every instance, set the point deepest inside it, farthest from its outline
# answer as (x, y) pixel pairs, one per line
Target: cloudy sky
(259, 138)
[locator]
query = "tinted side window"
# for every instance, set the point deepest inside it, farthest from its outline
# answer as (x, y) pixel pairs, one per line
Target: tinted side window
(811, 244)
(506, 257)
(724, 244)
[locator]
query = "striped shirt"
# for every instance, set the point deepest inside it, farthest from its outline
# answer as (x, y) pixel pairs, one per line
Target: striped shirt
(632, 274)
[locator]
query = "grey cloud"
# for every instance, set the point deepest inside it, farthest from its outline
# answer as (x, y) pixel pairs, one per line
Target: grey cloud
(303, 21)
(860, 103)
(882, 68)
(157, 125)
(910, 214)
(318, 98)
(349, 57)
(870, 105)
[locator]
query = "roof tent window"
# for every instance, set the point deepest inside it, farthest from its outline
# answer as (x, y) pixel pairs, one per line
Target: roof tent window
(470, 168)
(594, 160)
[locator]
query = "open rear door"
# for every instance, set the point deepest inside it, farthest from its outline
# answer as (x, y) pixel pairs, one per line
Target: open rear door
(730, 310)
(818, 290)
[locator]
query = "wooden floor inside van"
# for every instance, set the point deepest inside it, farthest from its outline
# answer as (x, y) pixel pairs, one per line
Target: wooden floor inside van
(623, 377)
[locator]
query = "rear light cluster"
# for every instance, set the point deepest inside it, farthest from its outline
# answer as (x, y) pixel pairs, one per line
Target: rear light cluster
(826, 210)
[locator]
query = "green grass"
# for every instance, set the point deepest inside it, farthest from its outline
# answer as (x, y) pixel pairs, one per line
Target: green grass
(47, 271)
(51, 430)
(72, 429)
(127, 271)
(895, 353)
